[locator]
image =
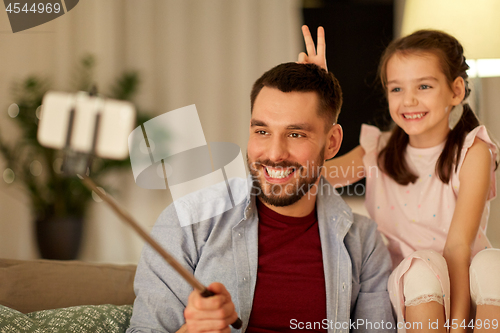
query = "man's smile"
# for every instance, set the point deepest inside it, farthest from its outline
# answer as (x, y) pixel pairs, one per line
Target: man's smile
(279, 174)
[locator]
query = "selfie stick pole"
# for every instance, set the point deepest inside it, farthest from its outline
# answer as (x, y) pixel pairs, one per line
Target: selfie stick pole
(126, 217)
(74, 162)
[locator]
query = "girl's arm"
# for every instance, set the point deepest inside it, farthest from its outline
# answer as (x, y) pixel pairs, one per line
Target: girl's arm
(474, 186)
(346, 169)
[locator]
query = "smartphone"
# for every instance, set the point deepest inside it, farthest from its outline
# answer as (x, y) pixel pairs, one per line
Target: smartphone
(86, 124)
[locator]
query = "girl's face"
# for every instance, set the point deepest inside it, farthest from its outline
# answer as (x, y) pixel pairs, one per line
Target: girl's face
(420, 98)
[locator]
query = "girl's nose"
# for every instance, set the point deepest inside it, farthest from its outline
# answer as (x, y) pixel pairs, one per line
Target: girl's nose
(410, 99)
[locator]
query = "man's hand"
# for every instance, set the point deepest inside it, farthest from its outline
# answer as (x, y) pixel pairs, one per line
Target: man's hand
(213, 314)
(312, 57)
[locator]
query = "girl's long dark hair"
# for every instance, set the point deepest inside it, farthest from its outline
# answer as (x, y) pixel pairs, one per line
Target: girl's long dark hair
(391, 159)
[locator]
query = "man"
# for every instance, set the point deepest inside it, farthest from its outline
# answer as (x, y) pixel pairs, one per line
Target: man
(292, 256)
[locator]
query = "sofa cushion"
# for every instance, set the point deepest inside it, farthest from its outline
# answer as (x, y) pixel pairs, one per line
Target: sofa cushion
(90, 318)
(35, 285)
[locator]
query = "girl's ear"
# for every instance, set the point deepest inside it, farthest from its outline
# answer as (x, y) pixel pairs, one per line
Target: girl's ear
(458, 89)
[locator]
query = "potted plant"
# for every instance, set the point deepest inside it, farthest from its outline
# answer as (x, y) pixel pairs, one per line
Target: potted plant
(58, 202)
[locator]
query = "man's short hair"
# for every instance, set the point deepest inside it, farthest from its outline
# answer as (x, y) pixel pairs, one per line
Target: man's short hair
(291, 76)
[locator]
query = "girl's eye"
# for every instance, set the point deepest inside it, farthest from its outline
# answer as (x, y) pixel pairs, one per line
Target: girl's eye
(395, 89)
(424, 86)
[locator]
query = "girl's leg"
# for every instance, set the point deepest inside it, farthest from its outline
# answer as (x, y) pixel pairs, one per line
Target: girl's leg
(426, 317)
(487, 318)
(485, 290)
(423, 299)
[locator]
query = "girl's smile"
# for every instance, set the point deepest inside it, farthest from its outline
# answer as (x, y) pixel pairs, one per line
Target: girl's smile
(414, 115)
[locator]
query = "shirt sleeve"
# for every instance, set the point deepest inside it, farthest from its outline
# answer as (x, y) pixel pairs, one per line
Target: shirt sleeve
(161, 293)
(481, 133)
(369, 138)
(372, 310)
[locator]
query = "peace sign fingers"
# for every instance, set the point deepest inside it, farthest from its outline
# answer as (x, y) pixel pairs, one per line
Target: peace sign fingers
(313, 57)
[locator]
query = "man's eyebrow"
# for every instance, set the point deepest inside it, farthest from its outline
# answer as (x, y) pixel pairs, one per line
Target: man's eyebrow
(302, 126)
(255, 123)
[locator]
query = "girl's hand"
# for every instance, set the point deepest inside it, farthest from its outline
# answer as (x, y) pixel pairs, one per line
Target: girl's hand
(312, 57)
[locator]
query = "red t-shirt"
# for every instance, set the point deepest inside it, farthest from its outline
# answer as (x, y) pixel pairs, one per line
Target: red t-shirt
(290, 277)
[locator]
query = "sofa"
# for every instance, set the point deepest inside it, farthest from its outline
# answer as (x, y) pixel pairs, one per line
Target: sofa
(65, 296)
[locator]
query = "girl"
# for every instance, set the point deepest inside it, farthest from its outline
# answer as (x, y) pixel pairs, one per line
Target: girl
(429, 183)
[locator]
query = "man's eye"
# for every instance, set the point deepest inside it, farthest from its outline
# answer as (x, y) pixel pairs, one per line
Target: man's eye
(296, 135)
(261, 132)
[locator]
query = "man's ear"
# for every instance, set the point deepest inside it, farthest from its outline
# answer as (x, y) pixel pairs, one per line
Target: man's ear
(458, 89)
(334, 140)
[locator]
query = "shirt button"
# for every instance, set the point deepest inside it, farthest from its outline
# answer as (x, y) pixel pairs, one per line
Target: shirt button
(239, 234)
(244, 279)
(343, 286)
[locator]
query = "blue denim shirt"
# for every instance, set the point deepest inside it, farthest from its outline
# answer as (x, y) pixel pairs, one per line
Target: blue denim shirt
(224, 249)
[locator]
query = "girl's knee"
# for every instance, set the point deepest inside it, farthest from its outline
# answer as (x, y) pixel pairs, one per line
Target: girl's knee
(421, 284)
(484, 282)
(485, 260)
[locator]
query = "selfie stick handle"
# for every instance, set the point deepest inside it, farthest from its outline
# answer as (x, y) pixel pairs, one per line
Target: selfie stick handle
(126, 217)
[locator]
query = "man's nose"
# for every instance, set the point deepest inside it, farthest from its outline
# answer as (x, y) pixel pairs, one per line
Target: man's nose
(410, 99)
(277, 150)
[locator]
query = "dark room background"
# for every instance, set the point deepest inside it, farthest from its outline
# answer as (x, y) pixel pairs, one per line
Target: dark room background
(357, 31)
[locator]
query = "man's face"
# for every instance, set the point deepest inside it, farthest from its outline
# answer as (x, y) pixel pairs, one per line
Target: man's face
(287, 145)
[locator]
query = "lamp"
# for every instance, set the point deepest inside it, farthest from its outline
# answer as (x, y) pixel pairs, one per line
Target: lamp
(475, 23)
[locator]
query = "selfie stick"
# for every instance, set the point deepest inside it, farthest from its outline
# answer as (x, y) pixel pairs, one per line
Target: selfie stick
(77, 162)
(126, 217)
